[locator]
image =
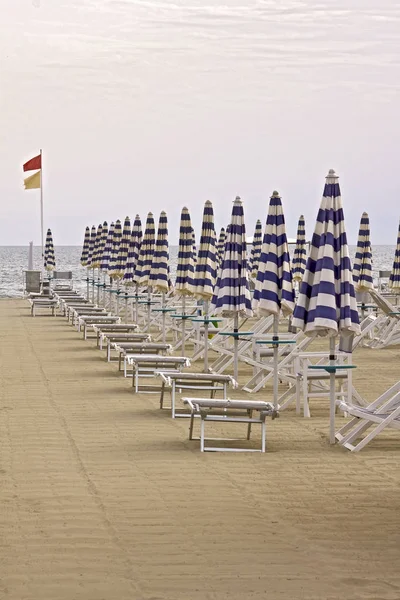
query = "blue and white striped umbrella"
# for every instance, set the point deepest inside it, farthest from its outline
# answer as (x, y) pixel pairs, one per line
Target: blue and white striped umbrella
(49, 258)
(116, 242)
(85, 247)
(327, 304)
(120, 264)
(159, 274)
(394, 280)
(103, 241)
(231, 293)
(194, 248)
(221, 245)
(362, 268)
(92, 242)
(299, 257)
(106, 256)
(274, 284)
(133, 251)
(143, 267)
(184, 283)
(255, 250)
(205, 270)
(97, 246)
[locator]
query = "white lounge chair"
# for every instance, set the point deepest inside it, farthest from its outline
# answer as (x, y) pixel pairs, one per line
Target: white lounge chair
(382, 413)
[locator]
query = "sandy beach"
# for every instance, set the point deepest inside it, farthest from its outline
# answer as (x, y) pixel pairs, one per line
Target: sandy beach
(103, 497)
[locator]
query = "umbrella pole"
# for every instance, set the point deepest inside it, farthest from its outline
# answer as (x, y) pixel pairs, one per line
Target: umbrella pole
(117, 302)
(332, 389)
(205, 336)
(87, 284)
(93, 286)
(126, 305)
(98, 287)
(236, 347)
(275, 347)
(183, 323)
(148, 308)
(110, 297)
(164, 333)
(137, 304)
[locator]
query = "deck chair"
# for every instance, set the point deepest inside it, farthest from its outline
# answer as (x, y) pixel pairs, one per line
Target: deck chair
(383, 412)
(389, 331)
(62, 280)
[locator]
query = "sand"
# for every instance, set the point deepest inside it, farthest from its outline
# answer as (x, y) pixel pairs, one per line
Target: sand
(102, 497)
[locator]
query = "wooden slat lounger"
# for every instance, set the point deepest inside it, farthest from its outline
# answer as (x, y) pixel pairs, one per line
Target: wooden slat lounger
(212, 382)
(145, 365)
(229, 411)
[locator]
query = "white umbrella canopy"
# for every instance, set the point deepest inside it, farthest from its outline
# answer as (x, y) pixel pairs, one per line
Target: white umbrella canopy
(394, 280)
(362, 268)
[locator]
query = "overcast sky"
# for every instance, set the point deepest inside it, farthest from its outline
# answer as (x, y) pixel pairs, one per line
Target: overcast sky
(149, 104)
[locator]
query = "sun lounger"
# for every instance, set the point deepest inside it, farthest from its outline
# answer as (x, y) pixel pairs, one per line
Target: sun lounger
(145, 365)
(212, 382)
(87, 321)
(124, 349)
(116, 328)
(229, 411)
(41, 303)
(106, 339)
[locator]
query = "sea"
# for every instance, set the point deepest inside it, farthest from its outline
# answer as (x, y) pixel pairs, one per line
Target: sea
(14, 259)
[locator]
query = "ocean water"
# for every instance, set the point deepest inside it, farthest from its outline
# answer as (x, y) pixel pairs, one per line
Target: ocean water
(13, 259)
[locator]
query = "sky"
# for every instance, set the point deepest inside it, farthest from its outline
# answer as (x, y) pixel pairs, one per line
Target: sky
(150, 105)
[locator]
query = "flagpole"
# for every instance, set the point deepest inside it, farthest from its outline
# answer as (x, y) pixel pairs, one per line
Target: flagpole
(41, 200)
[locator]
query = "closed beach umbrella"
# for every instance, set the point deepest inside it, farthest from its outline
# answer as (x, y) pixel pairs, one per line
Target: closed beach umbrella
(85, 247)
(206, 268)
(97, 247)
(221, 245)
(231, 293)
(184, 283)
(299, 257)
(92, 242)
(394, 280)
(143, 267)
(99, 255)
(362, 268)
(49, 258)
(120, 263)
(273, 290)
(327, 305)
(106, 255)
(194, 249)
(133, 251)
(255, 250)
(159, 274)
(115, 244)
